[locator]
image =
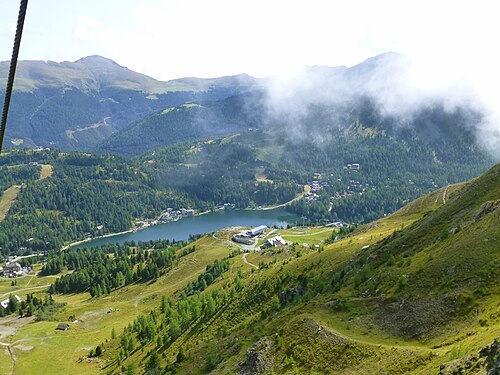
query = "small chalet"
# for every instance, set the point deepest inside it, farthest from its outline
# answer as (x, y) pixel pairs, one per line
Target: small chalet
(275, 242)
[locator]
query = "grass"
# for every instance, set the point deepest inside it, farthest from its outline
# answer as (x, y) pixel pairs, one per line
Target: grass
(310, 236)
(5, 361)
(67, 348)
(8, 198)
(47, 171)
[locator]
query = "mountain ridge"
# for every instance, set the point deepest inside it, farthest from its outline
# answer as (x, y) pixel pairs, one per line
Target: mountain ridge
(75, 105)
(35, 74)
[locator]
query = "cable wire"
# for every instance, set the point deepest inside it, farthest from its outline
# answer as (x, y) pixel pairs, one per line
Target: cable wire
(12, 69)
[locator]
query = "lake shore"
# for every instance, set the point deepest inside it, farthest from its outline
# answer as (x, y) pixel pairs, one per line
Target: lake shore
(133, 230)
(76, 243)
(95, 238)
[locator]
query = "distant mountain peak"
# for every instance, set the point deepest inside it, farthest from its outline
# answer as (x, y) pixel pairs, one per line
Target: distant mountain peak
(97, 59)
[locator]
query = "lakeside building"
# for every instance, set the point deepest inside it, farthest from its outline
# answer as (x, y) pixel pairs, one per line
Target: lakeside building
(257, 230)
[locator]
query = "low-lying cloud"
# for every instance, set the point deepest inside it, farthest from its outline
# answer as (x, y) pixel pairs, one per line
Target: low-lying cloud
(399, 86)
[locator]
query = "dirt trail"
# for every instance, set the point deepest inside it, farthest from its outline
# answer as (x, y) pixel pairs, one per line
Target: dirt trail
(249, 263)
(24, 290)
(12, 358)
(307, 188)
(444, 194)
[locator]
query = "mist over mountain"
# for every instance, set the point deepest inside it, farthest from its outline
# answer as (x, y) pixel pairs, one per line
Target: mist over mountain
(397, 90)
(96, 104)
(318, 104)
(375, 272)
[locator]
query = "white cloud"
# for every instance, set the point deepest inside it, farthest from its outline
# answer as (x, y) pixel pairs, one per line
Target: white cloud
(452, 44)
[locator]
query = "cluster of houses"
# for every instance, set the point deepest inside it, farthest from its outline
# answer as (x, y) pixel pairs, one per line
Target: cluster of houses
(344, 194)
(226, 206)
(354, 187)
(172, 215)
(313, 194)
(12, 269)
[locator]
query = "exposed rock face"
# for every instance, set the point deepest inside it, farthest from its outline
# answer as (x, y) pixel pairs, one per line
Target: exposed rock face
(416, 318)
(486, 361)
(486, 208)
(492, 354)
(258, 359)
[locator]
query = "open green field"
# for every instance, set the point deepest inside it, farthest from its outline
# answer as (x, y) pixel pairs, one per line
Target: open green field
(8, 198)
(34, 342)
(310, 236)
(47, 171)
(26, 284)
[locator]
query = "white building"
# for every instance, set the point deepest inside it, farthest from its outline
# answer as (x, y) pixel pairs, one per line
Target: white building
(12, 269)
(275, 242)
(5, 303)
(257, 230)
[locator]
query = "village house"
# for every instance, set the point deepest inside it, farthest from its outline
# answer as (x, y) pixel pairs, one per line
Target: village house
(354, 166)
(274, 242)
(5, 303)
(12, 269)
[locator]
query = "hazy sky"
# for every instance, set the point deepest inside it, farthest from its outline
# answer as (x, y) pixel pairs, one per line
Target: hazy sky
(206, 38)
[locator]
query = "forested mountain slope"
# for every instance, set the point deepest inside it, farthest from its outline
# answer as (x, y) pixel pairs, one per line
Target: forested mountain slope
(416, 292)
(249, 169)
(74, 105)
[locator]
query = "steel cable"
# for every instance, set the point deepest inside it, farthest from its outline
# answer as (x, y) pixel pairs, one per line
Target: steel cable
(12, 69)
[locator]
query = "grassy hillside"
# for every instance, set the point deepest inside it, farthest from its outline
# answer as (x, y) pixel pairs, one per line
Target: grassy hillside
(422, 295)
(416, 292)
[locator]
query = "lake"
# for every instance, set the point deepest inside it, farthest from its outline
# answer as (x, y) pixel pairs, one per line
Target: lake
(206, 223)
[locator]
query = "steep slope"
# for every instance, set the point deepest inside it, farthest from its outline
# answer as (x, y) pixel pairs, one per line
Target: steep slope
(416, 292)
(187, 122)
(397, 162)
(74, 105)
